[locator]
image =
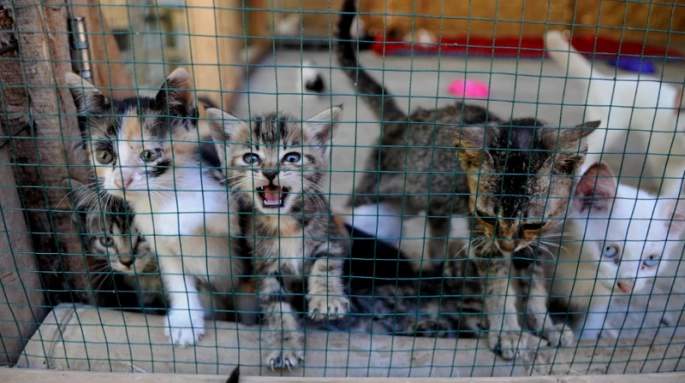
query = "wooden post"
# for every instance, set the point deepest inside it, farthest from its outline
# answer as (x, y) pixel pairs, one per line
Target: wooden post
(40, 119)
(215, 46)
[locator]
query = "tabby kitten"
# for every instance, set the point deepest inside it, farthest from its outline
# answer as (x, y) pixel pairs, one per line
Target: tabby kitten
(515, 179)
(120, 258)
(146, 151)
(276, 166)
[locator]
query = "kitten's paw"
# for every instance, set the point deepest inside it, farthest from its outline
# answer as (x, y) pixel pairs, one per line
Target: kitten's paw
(432, 328)
(516, 345)
(561, 335)
(285, 359)
(332, 307)
(184, 328)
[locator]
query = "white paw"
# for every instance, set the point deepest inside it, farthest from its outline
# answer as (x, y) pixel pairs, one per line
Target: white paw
(333, 307)
(184, 327)
(285, 359)
(561, 335)
(516, 345)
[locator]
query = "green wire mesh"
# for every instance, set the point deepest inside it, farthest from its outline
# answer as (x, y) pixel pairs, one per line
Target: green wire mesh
(154, 39)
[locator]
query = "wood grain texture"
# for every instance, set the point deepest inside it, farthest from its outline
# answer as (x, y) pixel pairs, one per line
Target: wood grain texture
(31, 79)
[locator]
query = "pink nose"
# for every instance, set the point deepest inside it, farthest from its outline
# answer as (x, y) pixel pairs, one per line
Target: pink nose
(117, 183)
(625, 287)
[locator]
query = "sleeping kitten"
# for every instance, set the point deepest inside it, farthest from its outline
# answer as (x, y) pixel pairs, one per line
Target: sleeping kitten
(641, 110)
(119, 258)
(516, 180)
(619, 240)
(276, 166)
(145, 151)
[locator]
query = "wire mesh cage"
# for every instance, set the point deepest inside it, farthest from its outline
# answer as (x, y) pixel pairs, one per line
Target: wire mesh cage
(394, 188)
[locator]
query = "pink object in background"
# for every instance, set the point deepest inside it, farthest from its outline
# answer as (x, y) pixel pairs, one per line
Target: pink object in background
(469, 89)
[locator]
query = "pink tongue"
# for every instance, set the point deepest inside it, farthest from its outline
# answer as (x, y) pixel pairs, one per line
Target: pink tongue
(272, 195)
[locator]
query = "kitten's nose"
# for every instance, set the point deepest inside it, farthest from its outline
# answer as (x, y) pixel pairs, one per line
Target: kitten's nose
(126, 261)
(624, 286)
(270, 175)
(118, 183)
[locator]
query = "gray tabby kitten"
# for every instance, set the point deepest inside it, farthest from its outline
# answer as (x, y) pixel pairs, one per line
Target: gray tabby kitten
(119, 258)
(276, 165)
(514, 177)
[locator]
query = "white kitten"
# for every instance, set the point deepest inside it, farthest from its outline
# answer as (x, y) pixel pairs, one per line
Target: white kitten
(641, 110)
(616, 243)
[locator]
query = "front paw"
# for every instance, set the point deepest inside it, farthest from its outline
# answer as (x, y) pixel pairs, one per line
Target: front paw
(516, 345)
(285, 359)
(184, 327)
(561, 335)
(332, 307)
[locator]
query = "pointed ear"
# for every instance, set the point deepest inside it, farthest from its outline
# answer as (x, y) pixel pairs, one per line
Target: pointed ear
(176, 94)
(596, 188)
(224, 128)
(673, 212)
(88, 99)
(568, 146)
(80, 195)
(678, 103)
(471, 142)
(322, 127)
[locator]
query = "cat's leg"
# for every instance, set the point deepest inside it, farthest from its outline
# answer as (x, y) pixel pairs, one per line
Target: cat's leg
(537, 315)
(667, 157)
(285, 344)
(505, 334)
(185, 322)
(593, 323)
(326, 296)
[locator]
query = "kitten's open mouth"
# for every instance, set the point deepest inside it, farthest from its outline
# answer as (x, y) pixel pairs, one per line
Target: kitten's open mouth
(273, 196)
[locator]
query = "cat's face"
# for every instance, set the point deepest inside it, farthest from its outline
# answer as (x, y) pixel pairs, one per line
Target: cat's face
(520, 177)
(126, 250)
(134, 144)
(274, 160)
(628, 232)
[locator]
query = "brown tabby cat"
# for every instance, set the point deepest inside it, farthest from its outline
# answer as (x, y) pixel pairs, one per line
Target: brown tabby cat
(275, 165)
(514, 177)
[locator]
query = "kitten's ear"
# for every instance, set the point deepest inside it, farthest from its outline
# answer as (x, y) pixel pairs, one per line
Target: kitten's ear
(176, 94)
(471, 141)
(224, 128)
(322, 127)
(88, 99)
(679, 103)
(673, 211)
(596, 188)
(568, 146)
(80, 197)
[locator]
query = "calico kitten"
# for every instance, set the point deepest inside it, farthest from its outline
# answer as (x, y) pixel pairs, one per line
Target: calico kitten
(276, 166)
(618, 241)
(119, 257)
(639, 109)
(145, 151)
(515, 179)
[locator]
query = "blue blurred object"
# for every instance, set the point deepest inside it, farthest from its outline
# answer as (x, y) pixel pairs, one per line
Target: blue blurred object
(633, 64)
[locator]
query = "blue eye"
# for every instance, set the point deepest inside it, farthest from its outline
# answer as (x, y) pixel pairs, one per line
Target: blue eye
(251, 158)
(651, 261)
(292, 157)
(610, 252)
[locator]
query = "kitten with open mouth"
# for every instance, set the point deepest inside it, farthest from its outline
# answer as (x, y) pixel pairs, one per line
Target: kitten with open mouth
(276, 164)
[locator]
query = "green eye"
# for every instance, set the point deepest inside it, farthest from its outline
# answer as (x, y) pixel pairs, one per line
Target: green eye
(250, 158)
(104, 156)
(107, 241)
(292, 157)
(151, 155)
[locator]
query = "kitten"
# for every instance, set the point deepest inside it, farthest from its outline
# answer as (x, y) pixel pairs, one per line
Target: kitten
(145, 151)
(516, 179)
(120, 258)
(618, 241)
(276, 166)
(639, 109)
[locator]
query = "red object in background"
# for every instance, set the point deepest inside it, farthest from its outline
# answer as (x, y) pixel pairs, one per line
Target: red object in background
(520, 47)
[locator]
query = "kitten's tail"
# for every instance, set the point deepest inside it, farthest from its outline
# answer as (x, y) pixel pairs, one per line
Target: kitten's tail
(570, 60)
(378, 98)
